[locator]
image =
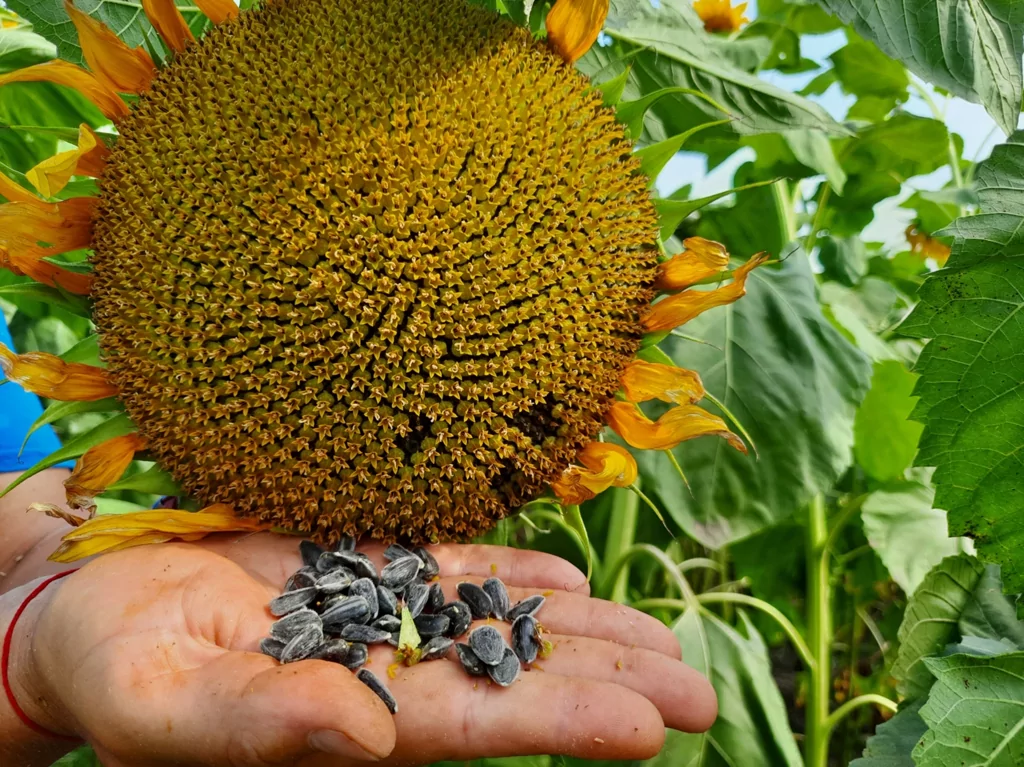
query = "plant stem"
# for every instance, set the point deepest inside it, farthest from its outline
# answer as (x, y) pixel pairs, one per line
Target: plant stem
(621, 534)
(819, 629)
(819, 218)
(854, 703)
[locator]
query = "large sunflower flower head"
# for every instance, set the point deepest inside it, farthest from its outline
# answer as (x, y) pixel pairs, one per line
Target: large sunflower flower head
(359, 267)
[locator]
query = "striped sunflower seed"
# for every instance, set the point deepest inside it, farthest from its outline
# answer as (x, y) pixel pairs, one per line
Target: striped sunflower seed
(333, 650)
(329, 560)
(499, 597)
(356, 632)
(460, 617)
(335, 581)
(528, 606)
(416, 595)
(360, 564)
(366, 589)
(310, 553)
(400, 573)
(436, 599)
(394, 551)
(525, 638)
(347, 543)
(294, 623)
(436, 648)
(357, 655)
(479, 602)
(303, 578)
(271, 647)
(488, 644)
(432, 625)
(469, 660)
(388, 623)
(370, 679)
(430, 566)
(291, 601)
(507, 669)
(302, 645)
(387, 601)
(345, 611)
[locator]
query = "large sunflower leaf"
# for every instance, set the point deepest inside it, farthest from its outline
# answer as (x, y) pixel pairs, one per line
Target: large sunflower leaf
(894, 740)
(972, 48)
(792, 380)
(972, 373)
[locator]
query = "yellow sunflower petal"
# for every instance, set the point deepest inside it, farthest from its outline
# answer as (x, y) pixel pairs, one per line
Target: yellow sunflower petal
(15, 192)
(50, 376)
(681, 423)
(573, 26)
(720, 16)
(168, 21)
(100, 467)
(122, 69)
(602, 465)
(92, 161)
(53, 173)
(926, 246)
(72, 76)
(644, 381)
(701, 259)
(682, 307)
(218, 11)
(113, 532)
(33, 231)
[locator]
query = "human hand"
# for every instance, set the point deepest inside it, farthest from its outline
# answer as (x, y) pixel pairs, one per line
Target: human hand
(150, 654)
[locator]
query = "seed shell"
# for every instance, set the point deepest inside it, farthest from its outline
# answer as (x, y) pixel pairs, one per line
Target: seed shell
(271, 647)
(347, 543)
(524, 638)
(291, 601)
(310, 553)
(430, 566)
(416, 595)
(400, 573)
(333, 650)
(357, 655)
(345, 611)
(435, 601)
(528, 606)
(356, 632)
(488, 645)
(394, 551)
(335, 581)
(387, 601)
(469, 660)
(294, 623)
(460, 617)
(499, 597)
(479, 602)
(388, 623)
(302, 644)
(329, 560)
(360, 564)
(370, 679)
(432, 625)
(366, 589)
(303, 578)
(507, 670)
(436, 648)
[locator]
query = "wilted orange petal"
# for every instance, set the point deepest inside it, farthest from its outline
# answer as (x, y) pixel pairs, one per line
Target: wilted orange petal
(168, 21)
(33, 231)
(53, 173)
(71, 76)
(573, 26)
(113, 532)
(601, 465)
(50, 376)
(218, 11)
(682, 307)
(93, 161)
(927, 246)
(122, 69)
(701, 259)
(679, 424)
(15, 192)
(100, 467)
(643, 381)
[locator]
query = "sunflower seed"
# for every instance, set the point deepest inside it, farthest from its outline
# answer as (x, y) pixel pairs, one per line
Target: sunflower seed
(460, 618)
(436, 648)
(310, 553)
(357, 655)
(416, 597)
(271, 647)
(430, 566)
(359, 563)
(488, 645)
(394, 551)
(507, 669)
(366, 589)
(294, 623)
(333, 650)
(370, 679)
(436, 599)
(387, 601)
(479, 602)
(292, 601)
(393, 641)
(302, 645)
(303, 578)
(432, 625)
(470, 661)
(329, 560)
(400, 573)
(355, 632)
(528, 606)
(388, 623)
(335, 581)
(345, 611)
(524, 638)
(346, 543)
(499, 597)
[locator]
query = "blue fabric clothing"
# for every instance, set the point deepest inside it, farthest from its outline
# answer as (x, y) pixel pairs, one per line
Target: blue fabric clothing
(18, 409)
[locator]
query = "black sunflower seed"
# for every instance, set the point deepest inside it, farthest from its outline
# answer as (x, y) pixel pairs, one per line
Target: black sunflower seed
(416, 595)
(303, 578)
(370, 679)
(460, 616)
(292, 601)
(310, 553)
(359, 563)
(479, 602)
(394, 551)
(432, 625)
(499, 597)
(400, 573)
(357, 655)
(393, 641)
(507, 669)
(430, 566)
(335, 581)
(356, 632)
(345, 611)
(366, 589)
(302, 645)
(271, 647)
(528, 606)
(524, 638)
(294, 623)
(329, 560)
(435, 601)
(388, 623)
(436, 648)
(470, 661)
(488, 645)
(333, 650)
(387, 601)
(346, 543)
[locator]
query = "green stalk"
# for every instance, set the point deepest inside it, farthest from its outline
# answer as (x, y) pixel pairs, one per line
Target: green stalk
(621, 535)
(819, 630)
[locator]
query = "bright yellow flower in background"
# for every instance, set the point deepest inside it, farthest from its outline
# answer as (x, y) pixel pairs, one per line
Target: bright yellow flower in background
(720, 15)
(927, 246)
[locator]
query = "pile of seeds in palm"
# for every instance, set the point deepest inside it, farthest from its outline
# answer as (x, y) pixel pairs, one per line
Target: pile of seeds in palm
(337, 604)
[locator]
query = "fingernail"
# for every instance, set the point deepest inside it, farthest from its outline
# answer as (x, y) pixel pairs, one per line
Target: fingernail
(339, 744)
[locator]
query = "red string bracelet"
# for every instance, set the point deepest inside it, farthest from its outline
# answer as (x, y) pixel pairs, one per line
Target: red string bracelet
(5, 662)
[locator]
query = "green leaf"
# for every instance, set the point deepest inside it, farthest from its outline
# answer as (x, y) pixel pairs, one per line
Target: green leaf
(792, 380)
(863, 70)
(894, 740)
(33, 291)
(632, 113)
(80, 757)
(612, 89)
(20, 48)
(154, 481)
(844, 259)
(972, 372)
(974, 713)
(884, 440)
(653, 158)
(990, 615)
(672, 213)
(930, 620)
(57, 410)
(971, 48)
(86, 351)
(938, 209)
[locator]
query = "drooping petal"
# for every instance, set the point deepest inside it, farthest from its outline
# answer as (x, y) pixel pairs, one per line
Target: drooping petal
(218, 11)
(573, 26)
(679, 424)
(701, 259)
(114, 532)
(33, 231)
(50, 376)
(601, 465)
(72, 76)
(52, 174)
(15, 192)
(122, 69)
(644, 381)
(720, 16)
(926, 246)
(100, 467)
(168, 21)
(682, 307)
(92, 161)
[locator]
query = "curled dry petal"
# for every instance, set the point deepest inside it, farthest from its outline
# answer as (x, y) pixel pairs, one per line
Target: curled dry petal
(120, 68)
(601, 465)
(701, 259)
(644, 381)
(33, 231)
(88, 158)
(72, 76)
(573, 26)
(681, 423)
(50, 376)
(168, 21)
(100, 467)
(52, 510)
